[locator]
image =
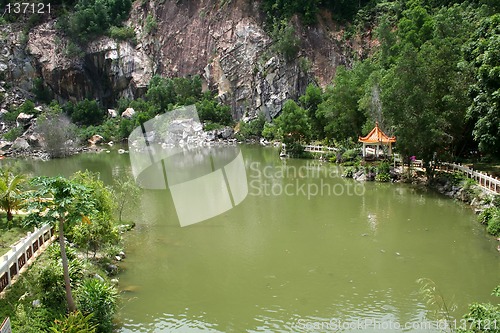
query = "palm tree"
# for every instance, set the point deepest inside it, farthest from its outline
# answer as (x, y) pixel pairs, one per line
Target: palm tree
(11, 187)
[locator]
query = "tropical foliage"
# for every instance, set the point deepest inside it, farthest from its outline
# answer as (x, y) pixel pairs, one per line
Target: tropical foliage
(11, 189)
(99, 299)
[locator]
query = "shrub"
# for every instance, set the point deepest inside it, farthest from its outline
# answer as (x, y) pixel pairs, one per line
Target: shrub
(211, 111)
(122, 33)
(13, 133)
(50, 280)
(11, 116)
(349, 172)
(491, 218)
(98, 298)
(74, 322)
(285, 40)
(384, 167)
(59, 134)
(493, 227)
(27, 107)
(151, 24)
(86, 112)
(270, 131)
(350, 155)
(91, 18)
(28, 319)
(125, 127)
(295, 149)
(480, 313)
(383, 177)
(209, 126)
(254, 127)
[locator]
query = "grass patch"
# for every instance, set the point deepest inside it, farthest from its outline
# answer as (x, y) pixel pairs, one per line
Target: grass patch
(9, 236)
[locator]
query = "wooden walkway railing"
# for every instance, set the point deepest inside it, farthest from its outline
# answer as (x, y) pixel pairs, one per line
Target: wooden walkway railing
(22, 254)
(486, 181)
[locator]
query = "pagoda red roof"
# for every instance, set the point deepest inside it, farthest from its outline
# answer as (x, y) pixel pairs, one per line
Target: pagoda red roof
(377, 136)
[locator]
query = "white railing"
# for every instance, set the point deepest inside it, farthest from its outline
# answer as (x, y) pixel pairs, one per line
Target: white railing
(484, 180)
(22, 253)
(319, 149)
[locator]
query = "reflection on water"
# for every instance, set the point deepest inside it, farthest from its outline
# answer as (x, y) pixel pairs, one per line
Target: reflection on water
(299, 262)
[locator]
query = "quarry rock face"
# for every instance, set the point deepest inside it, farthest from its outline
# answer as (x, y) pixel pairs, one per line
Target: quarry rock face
(223, 42)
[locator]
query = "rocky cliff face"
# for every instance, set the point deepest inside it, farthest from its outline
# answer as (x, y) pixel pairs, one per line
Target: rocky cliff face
(223, 41)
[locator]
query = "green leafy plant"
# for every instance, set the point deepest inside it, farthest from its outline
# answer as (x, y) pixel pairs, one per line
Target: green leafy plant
(285, 40)
(122, 33)
(95, 230)
(151, 24)
(441, 310)
(13, 133)
(383, 177)
(491, 218)
(74, 322)
(11, 189)
(349, 172)
(100, 299)
(483, 317)
(254, 127)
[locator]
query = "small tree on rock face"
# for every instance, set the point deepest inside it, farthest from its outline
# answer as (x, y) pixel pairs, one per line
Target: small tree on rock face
(65, 201)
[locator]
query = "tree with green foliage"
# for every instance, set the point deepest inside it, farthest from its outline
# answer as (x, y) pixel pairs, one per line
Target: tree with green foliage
(416, 26)
(96, 230)
(86, 112)
(340, 109)
(209, 110)
(422, 92)
(483, 56)
(11, 190)
(311, 101)
(126, 191)
(294, 127)
(67, 202)
(253, 128)
(91, 18)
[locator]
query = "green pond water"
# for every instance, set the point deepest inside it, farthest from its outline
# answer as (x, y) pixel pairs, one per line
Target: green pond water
(306, 251)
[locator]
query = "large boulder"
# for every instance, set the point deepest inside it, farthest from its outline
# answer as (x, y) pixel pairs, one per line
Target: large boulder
(112, 113)
(226, 133)
(128, 113)
(5, 145)
(23, 119)
(20, 144)
(34, 140)
(95, 139)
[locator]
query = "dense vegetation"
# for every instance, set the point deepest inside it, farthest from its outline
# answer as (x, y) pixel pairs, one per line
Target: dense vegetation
(84, 212)
(433, 82)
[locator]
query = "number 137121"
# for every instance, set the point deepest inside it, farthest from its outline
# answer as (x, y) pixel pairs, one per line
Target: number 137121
(27, 8)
